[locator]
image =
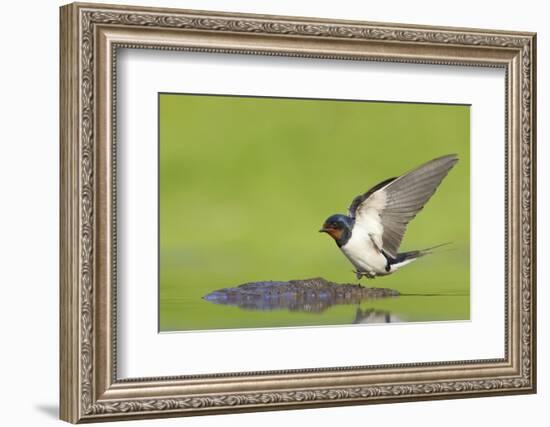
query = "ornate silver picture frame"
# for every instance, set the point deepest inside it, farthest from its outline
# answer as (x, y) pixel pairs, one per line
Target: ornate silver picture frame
(91, 35)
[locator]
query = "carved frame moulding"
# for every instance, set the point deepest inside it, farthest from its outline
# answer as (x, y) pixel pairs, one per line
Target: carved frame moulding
(91, 35)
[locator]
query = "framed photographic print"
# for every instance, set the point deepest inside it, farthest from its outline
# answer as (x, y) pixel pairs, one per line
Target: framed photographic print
(264, 212)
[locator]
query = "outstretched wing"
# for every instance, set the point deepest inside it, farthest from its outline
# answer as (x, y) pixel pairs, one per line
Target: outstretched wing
(385, 210)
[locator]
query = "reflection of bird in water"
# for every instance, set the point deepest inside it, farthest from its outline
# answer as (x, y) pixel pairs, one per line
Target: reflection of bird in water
(370, 315)
(371, 235)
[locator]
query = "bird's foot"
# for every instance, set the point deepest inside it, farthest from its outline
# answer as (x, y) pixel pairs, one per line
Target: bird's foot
(360, 274)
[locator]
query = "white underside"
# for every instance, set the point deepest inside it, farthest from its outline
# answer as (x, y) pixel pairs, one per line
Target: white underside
(362, 249)
(365, 256)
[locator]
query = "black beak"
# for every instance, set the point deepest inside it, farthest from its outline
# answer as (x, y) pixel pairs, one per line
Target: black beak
(323, 230)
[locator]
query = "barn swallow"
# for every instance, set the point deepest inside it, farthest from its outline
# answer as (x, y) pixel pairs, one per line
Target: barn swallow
(371, 233)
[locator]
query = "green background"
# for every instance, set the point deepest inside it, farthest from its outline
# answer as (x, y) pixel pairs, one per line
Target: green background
(245, 184)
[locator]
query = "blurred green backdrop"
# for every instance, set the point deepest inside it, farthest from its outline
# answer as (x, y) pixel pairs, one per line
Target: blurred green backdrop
(245, 183)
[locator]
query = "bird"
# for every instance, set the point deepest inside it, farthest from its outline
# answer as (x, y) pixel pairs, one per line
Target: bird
(371, 234)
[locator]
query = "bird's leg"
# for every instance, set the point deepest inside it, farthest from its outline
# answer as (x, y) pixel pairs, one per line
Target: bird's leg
(360, 274)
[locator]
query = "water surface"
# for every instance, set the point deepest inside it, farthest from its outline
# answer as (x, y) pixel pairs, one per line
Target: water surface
(185, 313)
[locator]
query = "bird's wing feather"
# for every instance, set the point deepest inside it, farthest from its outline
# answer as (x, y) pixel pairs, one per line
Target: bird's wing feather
(385, 210)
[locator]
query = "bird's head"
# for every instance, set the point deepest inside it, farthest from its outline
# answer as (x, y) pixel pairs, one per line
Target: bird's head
(338, 227)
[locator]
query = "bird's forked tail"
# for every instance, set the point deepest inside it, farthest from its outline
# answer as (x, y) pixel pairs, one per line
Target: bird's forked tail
(406, 257)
